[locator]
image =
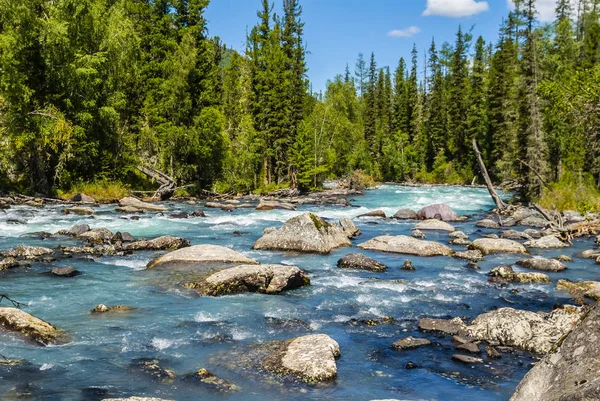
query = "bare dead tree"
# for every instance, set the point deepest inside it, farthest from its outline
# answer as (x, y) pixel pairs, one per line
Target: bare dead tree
(500, 205)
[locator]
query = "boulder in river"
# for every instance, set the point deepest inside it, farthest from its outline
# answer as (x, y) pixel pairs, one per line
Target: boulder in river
(570, 373)
(164, 243)
(210, 381)
(406, 245)
(418, 234)
(458, 235)
(490, 245)
(201, 254)
(505, 274)
(198, 213)
(128, 210)
(31, 327)
(449, 327)
(548, 265)
(138, 204)
(472, 255)
(83, 198)
(434, 224)
(515, 235)
(79, 210)
(274, 205)
(65, 272)
(534, 221)
(589, 289)
(28, 252)
(409, 343)
(349, 228)
(113, 308)
(97, 236)
(359, 261)
(311, 358)
(75, 230)
(262, 279)
(547, 242)
(405, 214)
(531, 331)
(440, 211)
(469, 360)
(407, 266)
(487, 223)
(374, 213)
(305, 233)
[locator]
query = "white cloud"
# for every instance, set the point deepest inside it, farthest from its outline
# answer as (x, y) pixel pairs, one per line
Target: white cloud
(404, 33)
(546, 9)
(455, 8)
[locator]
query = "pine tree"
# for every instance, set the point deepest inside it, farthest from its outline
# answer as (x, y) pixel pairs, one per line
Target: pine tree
(458, 92)
(435, 125)
(370, 111)
(361, 74)
(476, 124)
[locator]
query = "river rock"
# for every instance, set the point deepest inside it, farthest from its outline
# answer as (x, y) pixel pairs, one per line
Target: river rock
(75, 230)
(210, 381)
(151, 367)
(549, 241)
(449, 327)
(262, 279)
(407, 266)
(460, 242)
(305, 233)
(409, 343)
(530, 331)
(134, 202)
(349, 228)
(505, 274)
(31, 327)
(97, 236)
(535, 234)
(515, 235)
(28, 252)
(548, 265)
(469, 347)
(571, 373)
(83, 198)
(472, 255)
(374, 213)
(359, 261)
(589, 254)
(489, 245)
(113, 308)
(418, 234)
(200, 254)
(79, 210)
(458, 235)
(273, 205)
(589, 289)
(534, 221)
(406, 245)
(310, 358)
(12, 263)
(405, 214)
(198, 213)
(164, 243)
(434, 224)
(65, 272)
(487, 223)
(128, 210)
(466, 359)
(440, 211)
(564, 258)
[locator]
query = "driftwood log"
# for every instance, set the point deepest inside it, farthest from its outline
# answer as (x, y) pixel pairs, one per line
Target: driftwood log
(500, 205)
(167, 184)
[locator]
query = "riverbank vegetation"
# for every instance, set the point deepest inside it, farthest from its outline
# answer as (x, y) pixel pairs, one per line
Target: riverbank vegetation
(91, 89)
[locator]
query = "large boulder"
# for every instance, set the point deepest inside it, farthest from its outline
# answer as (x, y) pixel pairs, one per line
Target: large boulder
(164, 243)
(491, 245)
(263, 279)
(589, 289)
(405, 214)
(374, 213)
(505, 274)
(406, 245)
(310, 358)
(304, 233)
(75, 230)
(530, 331)
(97, 236)
(548, 265)
(31, 327)
(359, 261)
(487, 223)
(201, 254)
(138, 204)
(449, 327)
(434, 224)
(571, 373)
(349, 228)
(440, 211)
(28, 252)
(547, 242)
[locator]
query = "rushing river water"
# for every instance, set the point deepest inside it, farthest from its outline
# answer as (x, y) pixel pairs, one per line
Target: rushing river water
(187, 333)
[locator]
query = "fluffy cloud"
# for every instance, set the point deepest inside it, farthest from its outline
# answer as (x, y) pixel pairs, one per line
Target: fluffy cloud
(455, 8)
(404, 33)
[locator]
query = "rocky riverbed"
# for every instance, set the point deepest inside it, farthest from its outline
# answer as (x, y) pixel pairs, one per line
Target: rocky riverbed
(253, 299)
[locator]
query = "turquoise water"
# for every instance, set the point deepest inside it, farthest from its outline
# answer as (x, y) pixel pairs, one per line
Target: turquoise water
(187, 333)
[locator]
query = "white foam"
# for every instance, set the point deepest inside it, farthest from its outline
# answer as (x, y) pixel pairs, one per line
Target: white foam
(46, 366)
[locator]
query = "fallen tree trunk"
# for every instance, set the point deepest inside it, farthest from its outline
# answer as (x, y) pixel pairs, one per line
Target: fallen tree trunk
(500, 205)
(167, 187)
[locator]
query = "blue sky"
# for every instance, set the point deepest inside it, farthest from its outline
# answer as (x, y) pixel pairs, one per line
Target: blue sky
(337, 30)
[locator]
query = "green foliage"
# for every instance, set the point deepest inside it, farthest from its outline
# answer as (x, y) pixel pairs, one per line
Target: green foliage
(102, 191)
(572, 192)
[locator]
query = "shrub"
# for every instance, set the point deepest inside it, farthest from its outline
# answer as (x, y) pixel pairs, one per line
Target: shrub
(570, 193)
(102, 191)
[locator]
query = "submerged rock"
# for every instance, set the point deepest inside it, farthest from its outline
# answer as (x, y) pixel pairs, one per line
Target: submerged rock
(211, 381)
(466, 359)
(115, 308)
(12, 263)
(305, 233)
(263, 279)
(138, 204)
(549, 265)
(406, 245)
(530, 331)
(349, 228)
(360, 262)
(128, 210)
(199, 254)
(410, 343)
(311, 358)
(489, 245)
(164, 243)
(65, 272)
(407, 266)
(571, 373)
(549, 241)
(198, 213)
(31, 327)
(434, 224)
(505, 274)
(405, 214)
(440, 211)
(152, 368)
(374, 213)
(589, 289)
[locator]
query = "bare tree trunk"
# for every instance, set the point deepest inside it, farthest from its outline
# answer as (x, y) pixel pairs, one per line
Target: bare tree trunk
(167, 187)
(500, 205)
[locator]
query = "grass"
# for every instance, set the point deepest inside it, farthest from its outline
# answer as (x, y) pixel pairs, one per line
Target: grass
(101, 191)
(568, 194)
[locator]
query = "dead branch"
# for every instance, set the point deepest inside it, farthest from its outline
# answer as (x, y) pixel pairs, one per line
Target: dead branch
(167, 187)
(539, 176)
(500, 205)
(16, 304)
